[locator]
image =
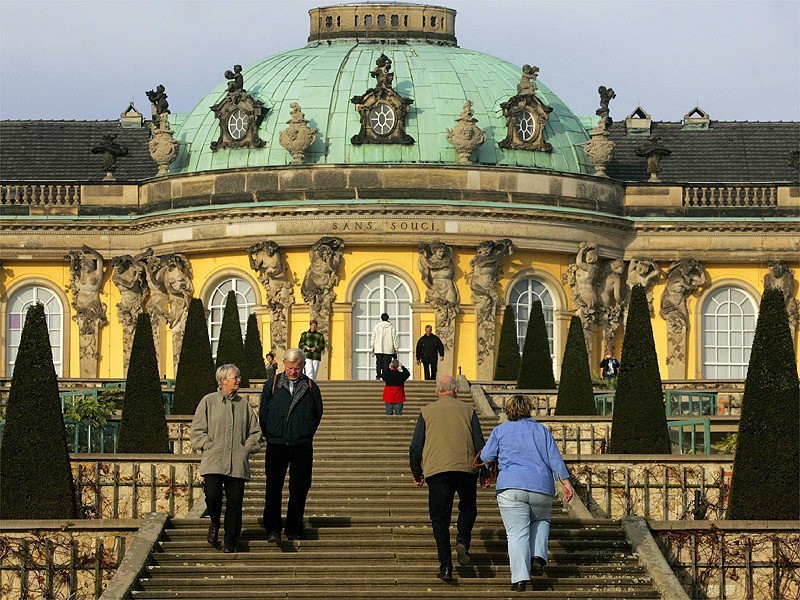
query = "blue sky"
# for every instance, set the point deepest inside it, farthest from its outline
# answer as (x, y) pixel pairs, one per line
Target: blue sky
(87, 60)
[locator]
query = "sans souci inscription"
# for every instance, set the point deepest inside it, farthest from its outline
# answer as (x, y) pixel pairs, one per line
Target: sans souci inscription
(400, 226)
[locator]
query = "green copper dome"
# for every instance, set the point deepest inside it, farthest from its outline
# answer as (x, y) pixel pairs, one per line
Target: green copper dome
(323, 76)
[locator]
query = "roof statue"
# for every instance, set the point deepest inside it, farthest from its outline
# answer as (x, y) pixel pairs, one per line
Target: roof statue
(158, 101)
(653, 150)
(239, 115)
(110, 150)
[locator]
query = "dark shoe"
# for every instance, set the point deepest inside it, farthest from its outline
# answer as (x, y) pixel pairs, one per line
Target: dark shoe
(213, 535)
(229, 550)
(537, 566)
(463, 554)
(445, 573)
(273, 536)
(519, 586)
(293, 537)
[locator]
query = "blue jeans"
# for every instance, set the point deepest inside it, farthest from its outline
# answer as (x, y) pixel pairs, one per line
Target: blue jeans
(394, 409)
(526, 517)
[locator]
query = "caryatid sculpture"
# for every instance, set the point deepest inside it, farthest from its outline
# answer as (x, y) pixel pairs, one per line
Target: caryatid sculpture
(321, 277)
(130, 277)
(86, 270)
(581, 277)
(781, 277)
(158, 305)
(684, 278)
(644, 272)
(267, 259)
(611, 299)
(177, 276)
(483, 282)
(438, 271)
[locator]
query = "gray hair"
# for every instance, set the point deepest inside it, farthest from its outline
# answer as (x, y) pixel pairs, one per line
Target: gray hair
(225, 370)
(293, 355)
(446, 383)
(395, 364)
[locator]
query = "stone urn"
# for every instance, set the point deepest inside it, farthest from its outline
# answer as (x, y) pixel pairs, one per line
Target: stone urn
(466, 137)
(298, 137)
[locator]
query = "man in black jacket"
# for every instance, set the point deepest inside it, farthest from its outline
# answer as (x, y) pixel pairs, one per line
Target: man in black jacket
(430, 350)
(290, 412)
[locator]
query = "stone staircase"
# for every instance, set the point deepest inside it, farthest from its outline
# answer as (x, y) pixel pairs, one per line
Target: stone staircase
(368, 532)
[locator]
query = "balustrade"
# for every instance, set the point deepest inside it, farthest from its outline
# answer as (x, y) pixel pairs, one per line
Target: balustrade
(41, 194)
(722, 196)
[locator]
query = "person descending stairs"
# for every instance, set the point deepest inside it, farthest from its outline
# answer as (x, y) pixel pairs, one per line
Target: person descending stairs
(368, 534)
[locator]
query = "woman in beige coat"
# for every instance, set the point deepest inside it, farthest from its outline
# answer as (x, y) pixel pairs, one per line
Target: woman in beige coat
(226, 431)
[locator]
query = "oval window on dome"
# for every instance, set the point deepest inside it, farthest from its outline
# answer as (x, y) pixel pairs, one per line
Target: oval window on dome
(367, 20)
(382, 119)
(381, 21)
(237, 124)
(395, 21)
(525, 125)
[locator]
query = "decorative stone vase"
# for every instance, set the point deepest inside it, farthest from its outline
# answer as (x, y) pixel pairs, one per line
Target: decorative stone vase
(466, 137)
(163, 147)
(600, 148)
(298, 137)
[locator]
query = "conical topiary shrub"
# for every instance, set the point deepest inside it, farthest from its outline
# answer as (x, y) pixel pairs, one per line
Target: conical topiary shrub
(575, 391)
(639, 424)
(766, 469)
(35, 475)
(536, 365)
(254, 351)
(143, 429)
(230, 348)
(196, 372)
(507, 365)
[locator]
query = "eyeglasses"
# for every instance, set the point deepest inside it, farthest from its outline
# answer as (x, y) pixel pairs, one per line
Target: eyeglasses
(237, 377)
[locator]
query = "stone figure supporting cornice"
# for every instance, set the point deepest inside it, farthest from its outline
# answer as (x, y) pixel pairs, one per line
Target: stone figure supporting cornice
(437, 268)
(684, 277)
(268, 260)
(321, 277)
(611, 300)
(483, 282)
(781, 277)
(130, 277)
(645, 272)
(86, 281)
(158, 303)
(177, 277)
(581, 277)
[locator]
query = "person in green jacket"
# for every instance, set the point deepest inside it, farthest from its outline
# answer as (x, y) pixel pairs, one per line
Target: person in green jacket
(312, 343)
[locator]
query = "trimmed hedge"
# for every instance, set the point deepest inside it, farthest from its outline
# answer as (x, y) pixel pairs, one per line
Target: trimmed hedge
(766, 468)
(639, 423)
(575, 391)
(196, 372)
(230, 349)
(507, 365)
(35, 475)
(143, 428)
(254, 351)
(536, 365)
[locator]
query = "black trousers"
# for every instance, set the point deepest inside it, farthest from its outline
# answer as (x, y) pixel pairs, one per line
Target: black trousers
(382, 363)
(430, 369)
(234, 494)
(298, 459)
(442, 488)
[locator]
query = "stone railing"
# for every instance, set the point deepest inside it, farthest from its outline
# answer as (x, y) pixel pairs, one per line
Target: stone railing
(737, 560)
(54, 194)
(128, 486)
(663, 487)
(725, 196)
(57, 559)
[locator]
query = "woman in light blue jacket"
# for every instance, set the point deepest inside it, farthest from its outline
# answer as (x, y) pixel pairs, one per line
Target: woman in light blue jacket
(528, 460)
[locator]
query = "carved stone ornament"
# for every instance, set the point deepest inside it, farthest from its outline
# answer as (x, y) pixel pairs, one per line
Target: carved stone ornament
(483, 282)
(654, 151)
(684, 278)
(163, 147)
(611, 299)
(600, 148)
(321, 277)
(111, 151)
(383, 111)
(86, 268)
(466, 137)
(437, 268)
(645, 272)
(298, 137)
(268, 260)
(239, 115)
(526, 115)
(158, 102)
(781, 277)
(581, 276)
(130, 277)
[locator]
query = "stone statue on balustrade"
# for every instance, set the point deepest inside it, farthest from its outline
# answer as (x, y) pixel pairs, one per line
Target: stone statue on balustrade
(581, 276)
(268, 260)
(87, 270)
(320, 279)
(684, 277)
(130, 276)
(644, 272)
(612, 299)
(437, 268)
(483, 282)
(781, 277)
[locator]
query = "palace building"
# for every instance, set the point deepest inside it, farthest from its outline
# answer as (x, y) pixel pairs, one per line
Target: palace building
(384, 168)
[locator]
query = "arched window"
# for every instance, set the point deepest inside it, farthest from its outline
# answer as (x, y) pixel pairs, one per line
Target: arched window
(729, 322)
(523, 295)
(377, 293)
(245, 301)
(18, 306)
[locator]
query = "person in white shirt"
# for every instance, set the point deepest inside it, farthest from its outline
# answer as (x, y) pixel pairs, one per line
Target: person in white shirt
(384, 344)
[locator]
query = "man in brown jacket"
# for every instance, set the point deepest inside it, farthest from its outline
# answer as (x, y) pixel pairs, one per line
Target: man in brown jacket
(446, 439)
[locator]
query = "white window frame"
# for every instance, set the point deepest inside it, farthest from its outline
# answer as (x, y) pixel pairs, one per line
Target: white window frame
(522, 296)
(245, 301)
(45, 295)
(726, 342)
